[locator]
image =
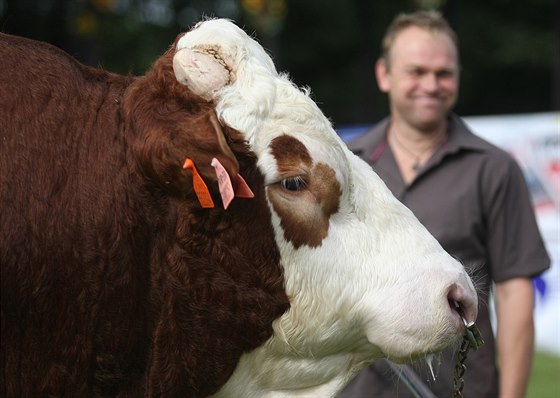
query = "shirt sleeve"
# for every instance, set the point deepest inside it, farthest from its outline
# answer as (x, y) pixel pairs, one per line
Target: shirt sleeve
(514, 243)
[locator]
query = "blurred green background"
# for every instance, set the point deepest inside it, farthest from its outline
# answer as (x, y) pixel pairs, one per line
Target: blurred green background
(510, 54)
(509, 48)
(545, 378)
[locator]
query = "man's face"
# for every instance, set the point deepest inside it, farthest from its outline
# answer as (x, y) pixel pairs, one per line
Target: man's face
(422, 79)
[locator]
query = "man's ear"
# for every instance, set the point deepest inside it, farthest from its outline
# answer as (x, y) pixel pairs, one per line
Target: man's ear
(382, 75)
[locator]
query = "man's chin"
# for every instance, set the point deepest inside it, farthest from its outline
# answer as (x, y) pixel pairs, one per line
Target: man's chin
(430, 121)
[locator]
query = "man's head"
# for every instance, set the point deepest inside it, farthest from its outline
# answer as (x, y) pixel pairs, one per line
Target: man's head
(419, 69)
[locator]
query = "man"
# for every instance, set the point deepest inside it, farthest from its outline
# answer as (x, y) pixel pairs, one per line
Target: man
(469, 194)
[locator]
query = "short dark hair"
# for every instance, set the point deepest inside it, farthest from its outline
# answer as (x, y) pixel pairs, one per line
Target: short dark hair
(431, 21)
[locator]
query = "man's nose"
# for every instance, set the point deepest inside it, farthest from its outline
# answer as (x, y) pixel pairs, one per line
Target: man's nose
(430, 82)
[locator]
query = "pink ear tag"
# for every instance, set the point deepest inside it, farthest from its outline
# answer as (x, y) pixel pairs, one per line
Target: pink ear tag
(226, 189)
(243, 190)
(224, 183)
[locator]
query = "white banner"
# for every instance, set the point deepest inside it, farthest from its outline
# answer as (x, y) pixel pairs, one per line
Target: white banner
(534, 141)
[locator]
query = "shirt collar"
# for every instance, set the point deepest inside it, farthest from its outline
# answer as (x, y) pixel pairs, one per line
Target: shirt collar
(460, 137)
(371, 145)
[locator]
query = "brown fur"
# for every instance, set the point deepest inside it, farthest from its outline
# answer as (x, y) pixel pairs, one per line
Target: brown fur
(114, 281)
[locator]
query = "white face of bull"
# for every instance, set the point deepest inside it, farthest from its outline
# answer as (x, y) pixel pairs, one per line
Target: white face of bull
(365, 279)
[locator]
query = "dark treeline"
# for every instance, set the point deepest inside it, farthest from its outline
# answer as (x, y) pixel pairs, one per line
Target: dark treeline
(510, 50)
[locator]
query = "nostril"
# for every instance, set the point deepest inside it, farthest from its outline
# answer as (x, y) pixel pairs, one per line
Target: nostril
(462, 302)
(459, 310)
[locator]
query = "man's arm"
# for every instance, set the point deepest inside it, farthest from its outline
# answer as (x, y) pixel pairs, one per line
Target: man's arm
(515, 335)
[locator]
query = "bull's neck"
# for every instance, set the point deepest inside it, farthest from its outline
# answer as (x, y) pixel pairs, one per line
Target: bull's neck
(267, 373)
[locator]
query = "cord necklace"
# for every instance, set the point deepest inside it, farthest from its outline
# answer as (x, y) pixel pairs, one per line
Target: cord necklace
(417, 165)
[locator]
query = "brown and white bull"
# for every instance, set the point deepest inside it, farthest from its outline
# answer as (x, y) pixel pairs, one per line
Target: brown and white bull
(122, 271)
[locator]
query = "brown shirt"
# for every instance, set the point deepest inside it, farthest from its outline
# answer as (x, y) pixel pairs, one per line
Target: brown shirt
(473, 198)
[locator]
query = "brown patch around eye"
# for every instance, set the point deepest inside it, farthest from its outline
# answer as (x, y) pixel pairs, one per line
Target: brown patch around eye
(289, 153)
(326, 187)
(304, 215)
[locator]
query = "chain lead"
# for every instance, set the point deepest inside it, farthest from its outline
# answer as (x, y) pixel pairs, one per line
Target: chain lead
(471, 339)
(460, 368)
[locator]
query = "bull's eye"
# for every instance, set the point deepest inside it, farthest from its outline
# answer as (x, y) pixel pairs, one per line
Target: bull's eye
(293, 184)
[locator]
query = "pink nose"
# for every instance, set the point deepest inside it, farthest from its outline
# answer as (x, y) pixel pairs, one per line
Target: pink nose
(463, 301)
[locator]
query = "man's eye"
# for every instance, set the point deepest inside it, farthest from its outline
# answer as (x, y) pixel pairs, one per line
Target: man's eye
(293, 184)
(445, 74)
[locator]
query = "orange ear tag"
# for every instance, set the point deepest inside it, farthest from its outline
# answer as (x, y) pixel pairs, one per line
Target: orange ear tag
(199, 186)
(226, 190)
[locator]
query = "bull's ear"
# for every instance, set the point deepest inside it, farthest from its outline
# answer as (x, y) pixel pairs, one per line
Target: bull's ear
(225, 167)
(163, 147)
(203, 73)
(170, 124)
(209, 142)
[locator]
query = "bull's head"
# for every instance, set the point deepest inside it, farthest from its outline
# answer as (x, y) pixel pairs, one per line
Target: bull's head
(364, 277)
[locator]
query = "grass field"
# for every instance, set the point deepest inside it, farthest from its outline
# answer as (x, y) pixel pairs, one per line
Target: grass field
(545, 378)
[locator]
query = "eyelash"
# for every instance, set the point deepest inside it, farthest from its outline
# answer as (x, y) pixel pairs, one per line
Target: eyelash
(294, 184)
